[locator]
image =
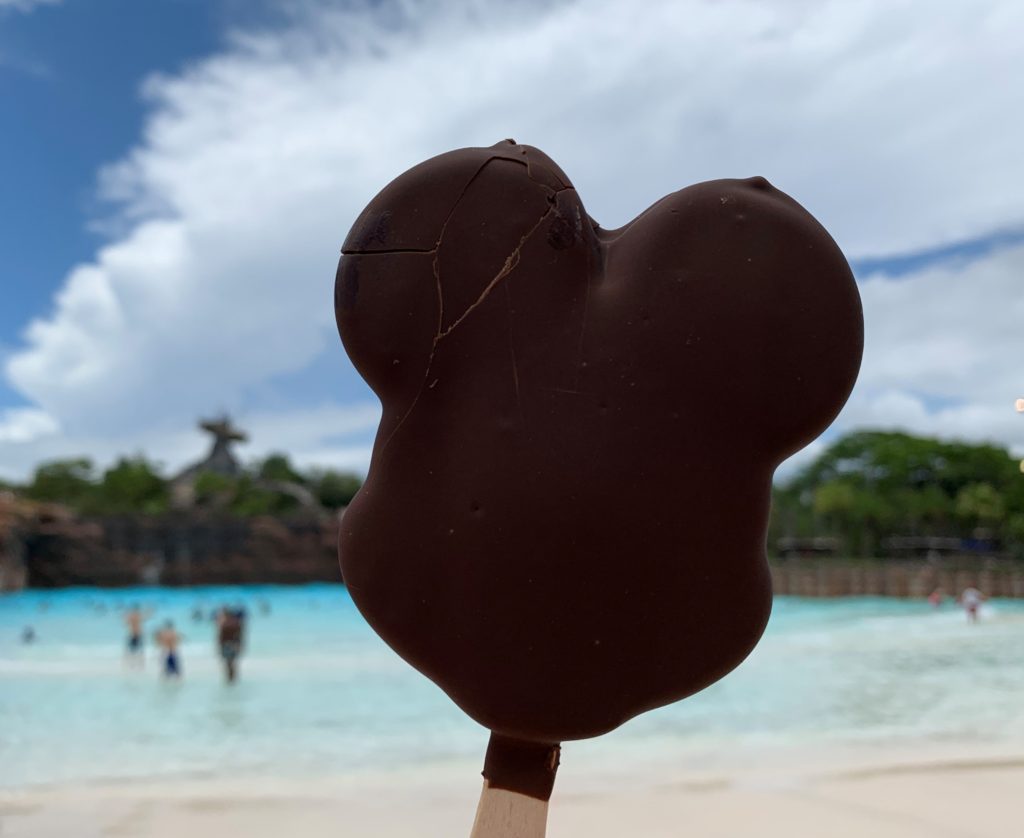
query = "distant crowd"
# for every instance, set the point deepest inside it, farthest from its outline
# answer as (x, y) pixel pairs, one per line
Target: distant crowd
(230, 623)
(970, 600)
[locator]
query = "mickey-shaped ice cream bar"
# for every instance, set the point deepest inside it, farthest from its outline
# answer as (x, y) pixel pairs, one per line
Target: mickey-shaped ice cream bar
(564, 520)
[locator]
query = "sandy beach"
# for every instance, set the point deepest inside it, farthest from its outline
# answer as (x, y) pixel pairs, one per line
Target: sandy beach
(935, 792)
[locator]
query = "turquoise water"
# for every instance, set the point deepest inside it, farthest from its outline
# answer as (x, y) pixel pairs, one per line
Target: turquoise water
(319, 693)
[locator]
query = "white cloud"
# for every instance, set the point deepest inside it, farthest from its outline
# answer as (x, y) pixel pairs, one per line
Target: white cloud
(943, 355)
(25, 424)
(944, 351)
(895, 122)
(324, 436)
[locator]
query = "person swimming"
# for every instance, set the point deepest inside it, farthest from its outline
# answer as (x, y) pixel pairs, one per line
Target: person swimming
(167, 638)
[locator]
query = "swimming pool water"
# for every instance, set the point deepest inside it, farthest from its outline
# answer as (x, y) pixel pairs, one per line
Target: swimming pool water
(320, 693)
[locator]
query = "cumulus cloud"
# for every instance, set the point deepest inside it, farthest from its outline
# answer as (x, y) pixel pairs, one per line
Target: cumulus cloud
(944, 351)
(943, 355)
(25, 424)
(889, 120)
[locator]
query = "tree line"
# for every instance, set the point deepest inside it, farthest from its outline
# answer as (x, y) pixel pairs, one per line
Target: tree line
(137, 485)
(871, 485)
(863, 488)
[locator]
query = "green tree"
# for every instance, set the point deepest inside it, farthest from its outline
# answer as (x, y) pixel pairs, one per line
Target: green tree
(335, 489)
(133, 484)
(214, 489)
(70, 482)
(837, 498)
(278, 467)
(979, 504)
(870, 484)
(252, 499)
(1013, 531)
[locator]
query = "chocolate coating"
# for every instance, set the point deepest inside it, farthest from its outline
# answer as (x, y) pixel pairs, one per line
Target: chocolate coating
(517, 765)
(564, 519)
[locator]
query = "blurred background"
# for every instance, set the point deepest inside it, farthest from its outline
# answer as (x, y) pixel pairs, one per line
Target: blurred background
(180, 429)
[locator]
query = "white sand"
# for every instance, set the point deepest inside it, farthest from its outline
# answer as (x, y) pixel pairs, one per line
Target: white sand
(962, 791)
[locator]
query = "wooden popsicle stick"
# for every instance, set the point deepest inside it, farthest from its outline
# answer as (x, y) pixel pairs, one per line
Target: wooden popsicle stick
(508, 814)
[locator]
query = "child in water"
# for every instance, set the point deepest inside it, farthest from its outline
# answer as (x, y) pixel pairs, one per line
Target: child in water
(971, 600)
(167, 638)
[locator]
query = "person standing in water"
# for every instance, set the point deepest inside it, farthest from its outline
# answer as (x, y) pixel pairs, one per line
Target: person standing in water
(167, 638)
(971, 599)
(230, 631)
(134, 619)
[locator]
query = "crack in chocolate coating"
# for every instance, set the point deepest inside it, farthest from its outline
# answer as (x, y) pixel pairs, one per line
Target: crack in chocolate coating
(564, 520)
(509, 265)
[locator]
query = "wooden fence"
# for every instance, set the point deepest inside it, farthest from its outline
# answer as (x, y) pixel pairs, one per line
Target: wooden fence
(827, 577)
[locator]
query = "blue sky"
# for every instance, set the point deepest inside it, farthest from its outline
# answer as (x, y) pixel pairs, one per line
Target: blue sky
(177, 176)
(66, 114)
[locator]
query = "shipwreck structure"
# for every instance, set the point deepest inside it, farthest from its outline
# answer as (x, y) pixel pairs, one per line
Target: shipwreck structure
(221, 460)
(198, 541)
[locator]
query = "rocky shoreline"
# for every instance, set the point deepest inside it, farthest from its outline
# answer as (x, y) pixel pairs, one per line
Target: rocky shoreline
(46, 546)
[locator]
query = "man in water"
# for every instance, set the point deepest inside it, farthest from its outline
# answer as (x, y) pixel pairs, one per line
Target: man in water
(971, 599)
(134, 619)
(168, 639)
(230, 630)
